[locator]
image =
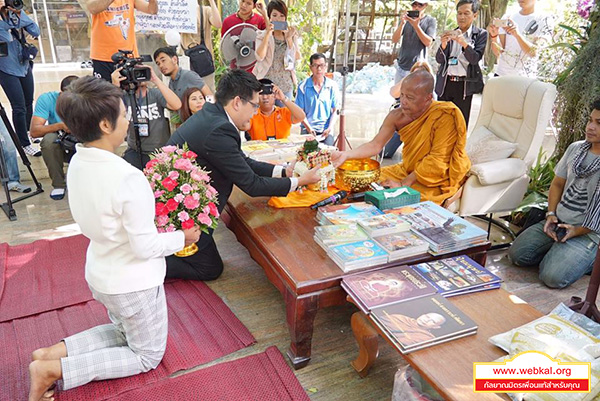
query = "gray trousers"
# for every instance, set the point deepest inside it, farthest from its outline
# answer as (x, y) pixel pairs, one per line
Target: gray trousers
(54, 157)
(135, 342)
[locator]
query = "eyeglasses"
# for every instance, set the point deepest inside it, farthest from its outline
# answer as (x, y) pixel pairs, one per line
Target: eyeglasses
(319, 66)
(255, 105)
(417, 4)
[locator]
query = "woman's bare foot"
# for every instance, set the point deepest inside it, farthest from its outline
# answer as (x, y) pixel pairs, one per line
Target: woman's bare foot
(54, 352)
(42, 375)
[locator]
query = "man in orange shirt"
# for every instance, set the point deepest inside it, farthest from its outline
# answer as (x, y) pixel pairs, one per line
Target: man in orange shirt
(273, 122)
(113, 29)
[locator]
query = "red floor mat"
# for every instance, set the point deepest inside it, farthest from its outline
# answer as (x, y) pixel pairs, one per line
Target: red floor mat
(264, 377)
(42, 276)
(201, 329)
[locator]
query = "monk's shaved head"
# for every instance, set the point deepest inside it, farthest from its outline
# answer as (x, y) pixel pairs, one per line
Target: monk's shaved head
(421, 81)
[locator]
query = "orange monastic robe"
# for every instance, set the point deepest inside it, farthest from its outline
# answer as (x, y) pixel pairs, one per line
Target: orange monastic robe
(434, 148)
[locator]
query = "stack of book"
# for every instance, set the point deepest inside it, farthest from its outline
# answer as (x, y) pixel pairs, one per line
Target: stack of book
(458, 275)
(346, 213)
(357, 255)
(444, 231)
(330, 235)
(407, 308)
(383, 224)
(402, 245)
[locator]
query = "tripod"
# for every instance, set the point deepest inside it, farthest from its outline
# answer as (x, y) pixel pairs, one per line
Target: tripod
(8, 205)
(130, 88)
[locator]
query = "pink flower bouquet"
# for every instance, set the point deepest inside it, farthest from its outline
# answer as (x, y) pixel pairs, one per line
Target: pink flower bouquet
(184, 196)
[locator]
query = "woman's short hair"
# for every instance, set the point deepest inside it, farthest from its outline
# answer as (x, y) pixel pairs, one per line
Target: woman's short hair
(278, 5)
(88, 101)
(185, 102)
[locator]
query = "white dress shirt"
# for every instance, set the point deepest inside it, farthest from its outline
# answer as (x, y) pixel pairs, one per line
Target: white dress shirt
(114, 206)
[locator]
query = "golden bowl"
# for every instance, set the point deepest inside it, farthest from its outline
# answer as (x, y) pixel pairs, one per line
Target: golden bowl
(356, 175)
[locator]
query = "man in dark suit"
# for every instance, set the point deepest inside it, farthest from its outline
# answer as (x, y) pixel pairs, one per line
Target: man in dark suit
(459, 54)
(213, 134)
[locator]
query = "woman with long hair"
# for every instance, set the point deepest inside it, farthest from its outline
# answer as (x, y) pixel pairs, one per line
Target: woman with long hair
(192, 101)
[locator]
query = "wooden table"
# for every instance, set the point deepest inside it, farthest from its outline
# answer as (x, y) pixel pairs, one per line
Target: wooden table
(449, 366)
(281, 242)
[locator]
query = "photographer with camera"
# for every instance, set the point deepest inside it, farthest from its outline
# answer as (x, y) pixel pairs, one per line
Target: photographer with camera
(150, 104)
(277, 50)
(113, 29)
(571, 231)
(459, 75)
(46, 124)
(16, 63)
(272, 122)
(516, 37)
(417, 31)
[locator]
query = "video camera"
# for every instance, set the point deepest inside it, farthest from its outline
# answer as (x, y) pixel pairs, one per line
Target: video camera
(15, 4)
(133, 72)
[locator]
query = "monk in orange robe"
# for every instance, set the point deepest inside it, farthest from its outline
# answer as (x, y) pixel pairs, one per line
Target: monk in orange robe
(434, 161)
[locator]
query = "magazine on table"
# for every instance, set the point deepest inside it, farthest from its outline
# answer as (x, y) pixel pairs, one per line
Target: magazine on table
(402, 245)
(457, 275)
(422, 322)
(387, 286)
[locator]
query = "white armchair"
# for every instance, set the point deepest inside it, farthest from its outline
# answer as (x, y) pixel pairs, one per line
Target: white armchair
(514, 115)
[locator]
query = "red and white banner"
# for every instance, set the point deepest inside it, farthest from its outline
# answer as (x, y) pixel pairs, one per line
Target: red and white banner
(531, 372)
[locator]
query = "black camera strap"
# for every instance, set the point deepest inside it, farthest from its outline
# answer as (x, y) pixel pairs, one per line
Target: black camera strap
(201, 24)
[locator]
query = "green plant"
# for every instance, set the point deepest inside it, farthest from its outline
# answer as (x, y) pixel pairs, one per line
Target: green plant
(541, 175)
(306, 22)
(579, 84)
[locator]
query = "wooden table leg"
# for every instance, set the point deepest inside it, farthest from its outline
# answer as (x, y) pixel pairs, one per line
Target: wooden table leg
(480, 257)
(301, 312)
(368, 347)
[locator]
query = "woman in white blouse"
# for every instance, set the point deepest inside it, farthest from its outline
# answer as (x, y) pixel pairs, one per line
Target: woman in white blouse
(125, 264)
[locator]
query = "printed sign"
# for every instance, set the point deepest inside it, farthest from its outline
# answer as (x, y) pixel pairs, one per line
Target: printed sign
(531, 372)
(178, 15)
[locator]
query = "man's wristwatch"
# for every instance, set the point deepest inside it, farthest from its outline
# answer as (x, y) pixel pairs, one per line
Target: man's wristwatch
(548, 214)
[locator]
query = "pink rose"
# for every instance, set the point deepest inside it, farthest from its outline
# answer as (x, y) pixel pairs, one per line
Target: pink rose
(183, 216)
(152, 163)
(183, 164)
(195, 187)
(173, 175)
(169, 184)
(156, 177)
(199, 175)
(186, 189)
(206, 209)
(196, 195)
(203, 218)
(179, 198)
(213, 209)
(158, 194)
(171, 228)
(179, 151)
(162, 221)
(190, 202)
(148, 172)
(163, 158)
(186, 225)
(153, 186)
(161, 230)
(172, 205)
(169, 149)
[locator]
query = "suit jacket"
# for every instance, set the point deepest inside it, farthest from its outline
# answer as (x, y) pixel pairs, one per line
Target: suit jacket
(216, 141)
(474, 80)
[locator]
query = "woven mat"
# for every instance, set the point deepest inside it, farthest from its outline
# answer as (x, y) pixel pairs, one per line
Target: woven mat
(264, 377)
(42, 276)
(201, 329)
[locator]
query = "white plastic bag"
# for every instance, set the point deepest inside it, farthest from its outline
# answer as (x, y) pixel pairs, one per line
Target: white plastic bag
(410, 386)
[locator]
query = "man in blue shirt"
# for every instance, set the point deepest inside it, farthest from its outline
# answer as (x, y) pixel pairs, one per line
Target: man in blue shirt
(52, 152)
(317, 96)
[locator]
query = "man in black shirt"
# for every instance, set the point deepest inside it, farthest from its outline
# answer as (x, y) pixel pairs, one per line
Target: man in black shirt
(213, 134)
